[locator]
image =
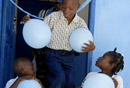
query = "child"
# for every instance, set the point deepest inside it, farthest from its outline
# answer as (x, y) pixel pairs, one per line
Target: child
(59, 55)
(110, 63)
(23, 67)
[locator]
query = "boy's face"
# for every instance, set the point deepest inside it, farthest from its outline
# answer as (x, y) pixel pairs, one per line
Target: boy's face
(28, 69)
(69, 8)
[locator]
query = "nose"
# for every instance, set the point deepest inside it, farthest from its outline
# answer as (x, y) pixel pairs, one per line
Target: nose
(99, 58)
(66, 10)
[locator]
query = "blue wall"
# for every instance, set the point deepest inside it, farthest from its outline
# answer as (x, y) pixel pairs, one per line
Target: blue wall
(112, 29)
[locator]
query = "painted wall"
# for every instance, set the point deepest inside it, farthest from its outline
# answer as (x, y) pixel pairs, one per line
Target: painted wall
(84, 12)
(112, 29)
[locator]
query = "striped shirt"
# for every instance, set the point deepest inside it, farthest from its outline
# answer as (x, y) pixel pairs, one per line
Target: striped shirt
(61, 30)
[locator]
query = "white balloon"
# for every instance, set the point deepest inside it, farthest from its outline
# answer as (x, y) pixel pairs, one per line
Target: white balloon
(98, 81)
(29, 84)
(79, 37)
(36, 33)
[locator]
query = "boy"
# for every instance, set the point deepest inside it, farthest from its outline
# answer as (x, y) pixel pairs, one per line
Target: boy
(23, 67)
(59, 55)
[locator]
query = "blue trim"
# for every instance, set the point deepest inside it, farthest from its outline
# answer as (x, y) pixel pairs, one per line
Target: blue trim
(0, 22)
(2, 45)
(7, 41)
(1, 42)
(91, 23)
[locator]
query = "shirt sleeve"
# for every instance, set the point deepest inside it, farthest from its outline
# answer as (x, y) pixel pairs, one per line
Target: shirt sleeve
(9, 83)
(50, 19)
(82, 23)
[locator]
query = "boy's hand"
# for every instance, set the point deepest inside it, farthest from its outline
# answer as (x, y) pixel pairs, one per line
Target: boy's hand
(25, 19)
(89, 47)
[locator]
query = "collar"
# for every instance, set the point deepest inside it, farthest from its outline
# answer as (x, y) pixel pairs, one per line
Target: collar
(75, 19)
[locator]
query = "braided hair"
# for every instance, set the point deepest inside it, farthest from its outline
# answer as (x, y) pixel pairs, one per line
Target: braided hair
(117, 60)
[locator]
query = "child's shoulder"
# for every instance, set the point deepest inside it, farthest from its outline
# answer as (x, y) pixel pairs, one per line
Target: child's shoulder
(117, 77)
(119, 80)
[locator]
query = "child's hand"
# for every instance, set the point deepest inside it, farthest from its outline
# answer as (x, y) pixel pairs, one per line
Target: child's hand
(25, 19)
(115, 82)
(39, 82)
(89, 47)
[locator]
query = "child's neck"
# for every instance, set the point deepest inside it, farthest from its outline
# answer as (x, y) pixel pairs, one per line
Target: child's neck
(107, 73)
(70, 19)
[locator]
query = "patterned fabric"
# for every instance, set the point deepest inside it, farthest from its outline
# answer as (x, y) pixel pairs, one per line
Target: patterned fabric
(61, 31)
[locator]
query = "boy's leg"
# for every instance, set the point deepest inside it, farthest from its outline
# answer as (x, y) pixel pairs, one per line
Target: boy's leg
(56, 74)
(68, 61)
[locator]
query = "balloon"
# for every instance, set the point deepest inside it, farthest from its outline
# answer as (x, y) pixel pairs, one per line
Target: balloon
(79, 37)
(36, 33)
(98, 81)
(29, 84)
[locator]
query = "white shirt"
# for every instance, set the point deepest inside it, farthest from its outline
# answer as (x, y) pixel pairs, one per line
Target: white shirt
(10, 82)
(61, 31)
(117, 77)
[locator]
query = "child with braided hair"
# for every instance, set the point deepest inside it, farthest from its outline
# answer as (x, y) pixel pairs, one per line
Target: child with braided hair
(110, 64)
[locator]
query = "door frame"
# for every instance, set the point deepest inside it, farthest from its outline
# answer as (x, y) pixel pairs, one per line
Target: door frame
(91, 23)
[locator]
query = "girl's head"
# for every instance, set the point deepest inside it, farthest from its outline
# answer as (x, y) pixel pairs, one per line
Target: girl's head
(23, 67)
(111, 61)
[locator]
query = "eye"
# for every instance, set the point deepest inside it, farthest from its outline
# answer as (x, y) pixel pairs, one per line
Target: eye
(71, 8)
(102, 57)
(63, 7)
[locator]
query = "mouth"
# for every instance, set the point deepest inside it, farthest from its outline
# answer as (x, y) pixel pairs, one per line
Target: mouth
(97, 61)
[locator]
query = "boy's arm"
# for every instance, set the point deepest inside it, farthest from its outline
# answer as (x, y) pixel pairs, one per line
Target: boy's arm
(50, 19)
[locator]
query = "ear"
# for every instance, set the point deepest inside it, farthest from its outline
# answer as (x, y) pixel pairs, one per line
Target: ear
(22, 71)
(112, 66)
